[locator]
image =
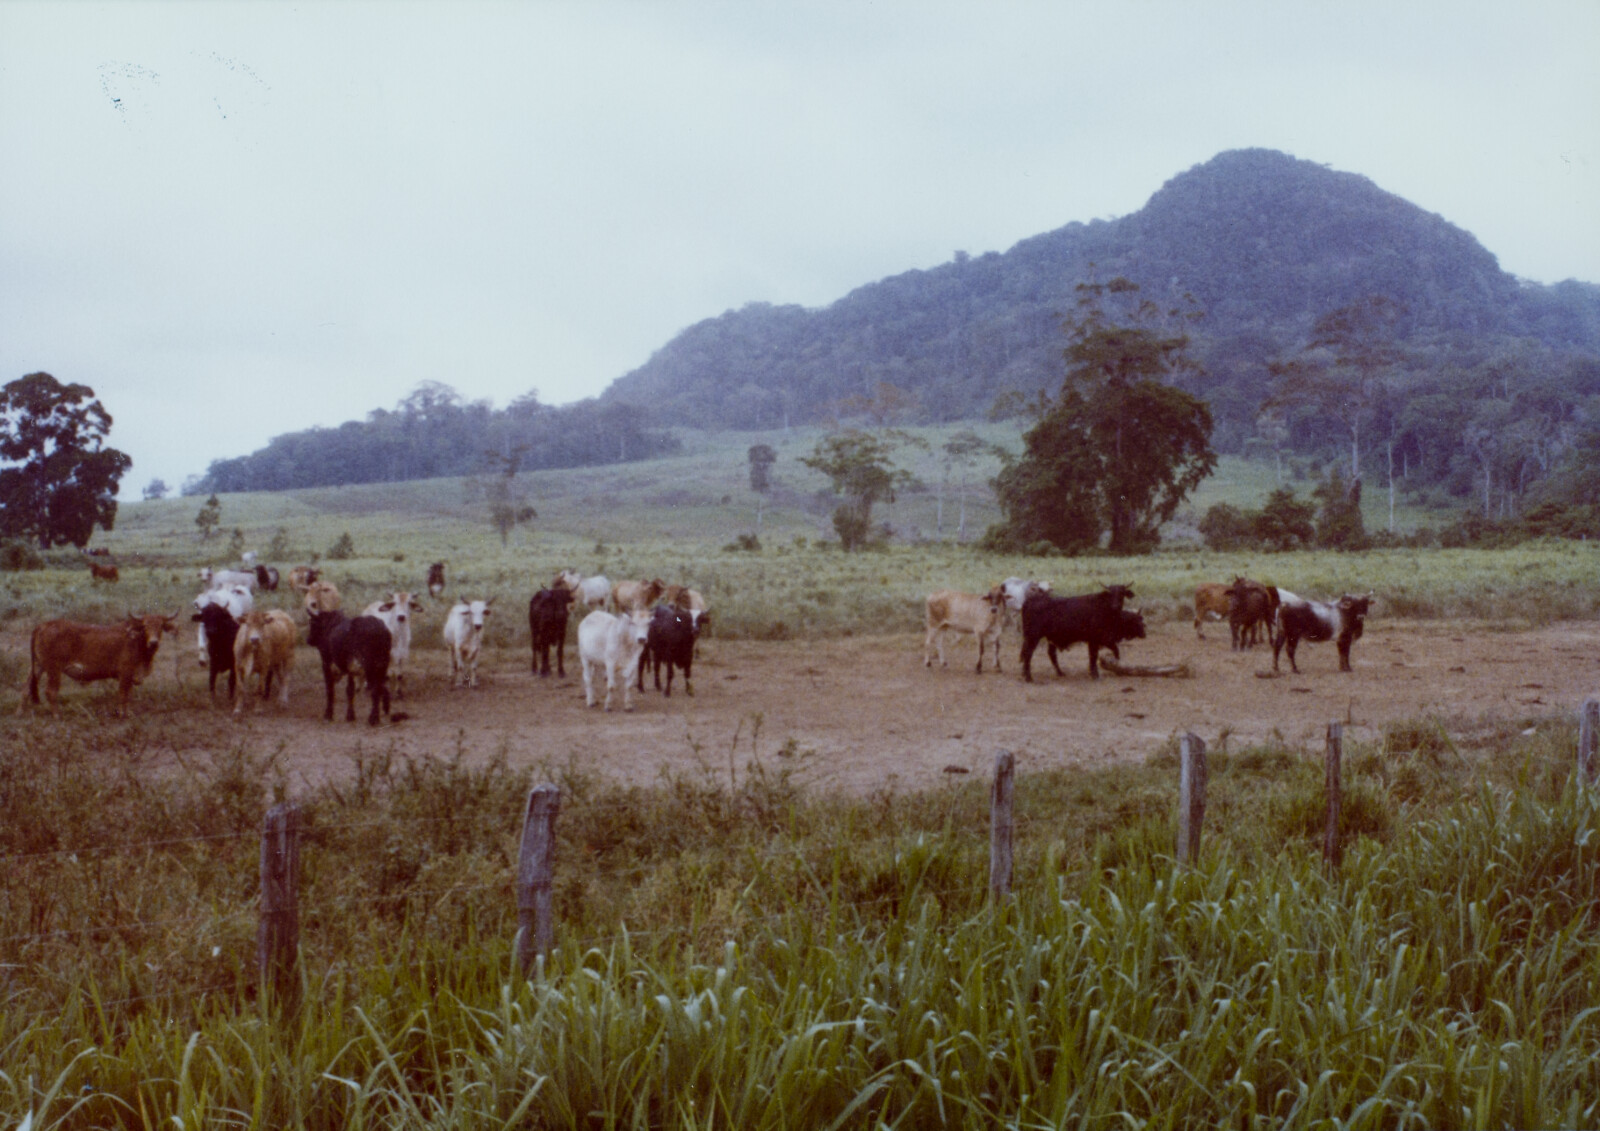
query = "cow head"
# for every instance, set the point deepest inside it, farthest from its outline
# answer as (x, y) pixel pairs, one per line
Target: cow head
(1116, 594)
(637, 626)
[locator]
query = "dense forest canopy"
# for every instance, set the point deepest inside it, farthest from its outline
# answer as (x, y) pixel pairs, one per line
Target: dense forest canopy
(1489, 387)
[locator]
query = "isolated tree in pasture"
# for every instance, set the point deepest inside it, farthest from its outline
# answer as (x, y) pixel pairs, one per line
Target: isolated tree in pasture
(1118, 449)
(209, 516)
(500, 492)
(1339, 523)
(58, 480)
(761, 458)
(960, 451)
(1285, 522)
(156, 489)
(859, 467)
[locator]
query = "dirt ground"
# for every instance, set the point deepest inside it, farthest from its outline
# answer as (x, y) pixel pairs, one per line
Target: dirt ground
(864, 714)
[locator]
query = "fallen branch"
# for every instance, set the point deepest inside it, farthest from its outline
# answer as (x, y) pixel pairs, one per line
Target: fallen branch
(1166, 671)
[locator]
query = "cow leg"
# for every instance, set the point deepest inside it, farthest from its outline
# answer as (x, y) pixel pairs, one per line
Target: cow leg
(350, 696)
(330, 681)
(1344, 654)
(588, 680)
(1026, 657)
(688, 664)
(1289, 646)
(1055, 659)
(670, 665)
(561, 658)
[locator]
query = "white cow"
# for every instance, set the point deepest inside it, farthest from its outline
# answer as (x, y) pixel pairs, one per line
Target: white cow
(463, 635)
(592, 592)
(235, 598)
(395, 613)
(612, 643)
(217, 578)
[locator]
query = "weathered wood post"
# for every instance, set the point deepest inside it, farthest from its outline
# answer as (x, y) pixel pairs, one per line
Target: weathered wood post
(1588, 735)
(535, 869)
(1191, 797)
(278, 935)
(1333, 785)
(1001, 826)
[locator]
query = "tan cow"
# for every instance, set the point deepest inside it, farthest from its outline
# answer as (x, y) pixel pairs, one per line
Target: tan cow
(628, 596)
(322, 597)
(950, 611)
(89, 652)
(1210, 599)
(302, 577)
(264, 647)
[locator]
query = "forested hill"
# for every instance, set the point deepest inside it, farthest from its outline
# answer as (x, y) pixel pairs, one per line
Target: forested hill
(1263, 242)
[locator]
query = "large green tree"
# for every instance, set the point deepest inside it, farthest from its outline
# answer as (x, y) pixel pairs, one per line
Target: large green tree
(859, 466)
(1119, 448)
(61, 479)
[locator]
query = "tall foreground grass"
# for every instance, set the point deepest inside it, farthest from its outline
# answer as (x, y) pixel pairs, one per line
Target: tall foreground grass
(735, 953)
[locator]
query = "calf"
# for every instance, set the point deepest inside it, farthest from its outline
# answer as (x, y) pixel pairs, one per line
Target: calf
(547, 625)
(1094, 619)
(1251, 607)
(613, 644)
(630, 595)
(395, 613)
(1315, 621)
(436, 579)
(267, 578)
(265, 647)
(98, 572)
(348, 646)
(217, 632)
(670, 640)
(950, 611)
(90, 652)
(463, 635)
(1210, 600)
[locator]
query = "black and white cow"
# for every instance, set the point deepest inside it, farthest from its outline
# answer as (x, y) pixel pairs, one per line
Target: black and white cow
(1316, 621)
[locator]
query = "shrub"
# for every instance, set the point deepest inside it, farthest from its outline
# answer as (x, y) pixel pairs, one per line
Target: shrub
(1226, 527)
(16, 556)
(342, 550)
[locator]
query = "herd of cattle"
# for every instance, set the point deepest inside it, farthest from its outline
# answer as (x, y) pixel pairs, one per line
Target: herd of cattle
(620, 635)
(627, 627)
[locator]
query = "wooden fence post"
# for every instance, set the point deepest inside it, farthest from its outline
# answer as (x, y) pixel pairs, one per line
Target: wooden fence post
(1191, 797)
(1333, 784)
(278, 935)
(1001, 826)
(1588, 734)
(535, 868)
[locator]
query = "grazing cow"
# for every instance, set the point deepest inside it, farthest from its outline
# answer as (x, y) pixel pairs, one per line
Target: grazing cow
(395, 613)
(322, 597)
(218, 629)
(547, 625)
(1251, 607)
(348, 646)
(265, 648)
(98, 572)
(1210, 600)
(1315, 621)
(950, 611)
(90, 652)
(267, 578)
(613, 644)
(670, 640)
(627, 596)
(302, 578)
(235, 598)
(463, 635)
(219, 578)
(436, 579)
(1094, 619)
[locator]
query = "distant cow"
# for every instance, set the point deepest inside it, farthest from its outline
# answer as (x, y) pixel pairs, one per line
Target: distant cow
(264, 648)
(1096, 620)
(547, 626)
(90, 652)
(302, 577)
(436, 579)
(630, 595)
(347, 647)
(463, 635)
(950, 611)
(100, 572)
(218, 628)
(1210, 600)
(614, 645)
(267, 578)
(395, 613)
(322, 597)
(1251, 607)
(1315, 621)
(670, 641)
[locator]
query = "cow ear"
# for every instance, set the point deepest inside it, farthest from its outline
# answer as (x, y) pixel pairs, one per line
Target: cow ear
(386, 607)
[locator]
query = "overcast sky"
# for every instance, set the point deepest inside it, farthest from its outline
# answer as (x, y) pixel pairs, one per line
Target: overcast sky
(235, 220)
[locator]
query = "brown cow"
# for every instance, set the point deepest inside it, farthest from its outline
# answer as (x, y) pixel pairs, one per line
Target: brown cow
(264, 647)
(102, 572)
(90, 652)
(1251, 607)
(950, 611)
(1210, 599)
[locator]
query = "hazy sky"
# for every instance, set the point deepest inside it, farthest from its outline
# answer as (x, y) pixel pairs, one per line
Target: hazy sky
(235, 220)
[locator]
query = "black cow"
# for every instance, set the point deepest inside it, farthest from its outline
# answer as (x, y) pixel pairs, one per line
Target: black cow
(347, 646)
(1094, 619)
(267, 578)
(436, 578)
(547, 625)
(1251, 607)
(673, 632)
(1316, 621)
(221, 631)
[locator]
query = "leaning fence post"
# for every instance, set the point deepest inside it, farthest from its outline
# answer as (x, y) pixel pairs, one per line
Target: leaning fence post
(535, 867)
(278, 935)
(1332, 792)
(1191, 797)
(1002, 826)
(1588, 734)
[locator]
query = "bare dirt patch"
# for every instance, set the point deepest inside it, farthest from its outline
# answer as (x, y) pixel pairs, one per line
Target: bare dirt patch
(864, 714)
